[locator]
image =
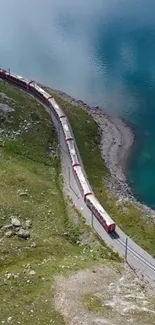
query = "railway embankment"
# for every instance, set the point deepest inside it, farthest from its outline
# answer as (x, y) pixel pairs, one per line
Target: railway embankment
(104, 143)
(39, 238)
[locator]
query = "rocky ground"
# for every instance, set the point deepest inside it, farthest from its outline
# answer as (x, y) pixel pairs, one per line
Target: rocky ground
(16, 228)
(102, 295)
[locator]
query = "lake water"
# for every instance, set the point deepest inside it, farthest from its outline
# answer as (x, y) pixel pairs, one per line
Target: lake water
(100, 51)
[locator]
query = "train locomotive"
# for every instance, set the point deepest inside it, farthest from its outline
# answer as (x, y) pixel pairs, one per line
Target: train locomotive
(90, 200)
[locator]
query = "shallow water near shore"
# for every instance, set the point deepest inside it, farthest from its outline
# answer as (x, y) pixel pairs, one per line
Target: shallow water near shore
(102, 52)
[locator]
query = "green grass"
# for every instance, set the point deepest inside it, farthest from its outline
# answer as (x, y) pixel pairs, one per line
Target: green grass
(87, 136)
(94, 304)
(25, 165)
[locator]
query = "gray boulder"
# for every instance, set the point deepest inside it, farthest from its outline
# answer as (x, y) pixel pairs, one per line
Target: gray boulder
(15, 221)
(23, 194)
(23, 233)
(9, 233)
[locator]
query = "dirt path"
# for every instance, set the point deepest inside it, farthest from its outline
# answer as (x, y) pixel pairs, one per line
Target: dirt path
(103, 295)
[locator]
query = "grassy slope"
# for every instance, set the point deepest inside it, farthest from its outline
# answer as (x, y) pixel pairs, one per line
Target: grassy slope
(25, 165)
(127, 216)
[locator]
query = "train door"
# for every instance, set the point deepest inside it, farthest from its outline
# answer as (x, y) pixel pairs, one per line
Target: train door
(112, 227)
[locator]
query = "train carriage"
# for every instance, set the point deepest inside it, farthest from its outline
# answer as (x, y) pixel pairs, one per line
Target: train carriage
(73, 153)
(82, 182)
(101, 215)
(66, 129)
(70, 142)
(2, 74)
(40, 92)
(16, 80)
(58, 111)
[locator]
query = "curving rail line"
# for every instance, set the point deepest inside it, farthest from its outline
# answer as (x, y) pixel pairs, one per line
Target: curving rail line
(141, 261)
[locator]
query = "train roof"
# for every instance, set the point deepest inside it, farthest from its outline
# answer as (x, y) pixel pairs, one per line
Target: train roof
(56, 107)
(40, 90)
(82, 179)
(66, 128)
(16, 76)
(72, 147)
(73, 153)
(101, 210)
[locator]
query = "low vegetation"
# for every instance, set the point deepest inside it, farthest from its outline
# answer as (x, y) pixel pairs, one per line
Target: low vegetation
(31, 190)
(126, 215)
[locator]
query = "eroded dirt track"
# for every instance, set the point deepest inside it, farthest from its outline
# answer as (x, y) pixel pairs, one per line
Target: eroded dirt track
(104, 295)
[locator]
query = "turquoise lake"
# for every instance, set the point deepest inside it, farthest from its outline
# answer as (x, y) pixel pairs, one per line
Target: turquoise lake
(100, 51)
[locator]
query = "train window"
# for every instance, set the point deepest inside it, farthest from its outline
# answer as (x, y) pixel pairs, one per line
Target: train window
(100, 218)
(93, 210)
(89, 203)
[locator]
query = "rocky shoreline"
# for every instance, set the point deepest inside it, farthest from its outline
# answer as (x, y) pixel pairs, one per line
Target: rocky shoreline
(117, 139)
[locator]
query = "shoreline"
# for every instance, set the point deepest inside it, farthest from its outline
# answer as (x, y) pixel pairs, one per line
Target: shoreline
(117, 142)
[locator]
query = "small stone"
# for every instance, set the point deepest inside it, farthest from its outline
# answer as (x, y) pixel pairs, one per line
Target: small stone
(23, 194)
(9, 233)
(7, 227)
(33, 245)
(15, 221)
(9, 319)
(32, 272)
(23, 233)
(28, 224)
(9, 276)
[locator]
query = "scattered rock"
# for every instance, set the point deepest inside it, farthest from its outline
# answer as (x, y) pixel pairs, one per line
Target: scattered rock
(15, 221)
(23, 194)
(10, 226)
(9, 319)
(9, 234)
(28, 223)
(5, 109)
(33, 245)
(23, 233)
(32, 272)
(1, 143)
(9, 276)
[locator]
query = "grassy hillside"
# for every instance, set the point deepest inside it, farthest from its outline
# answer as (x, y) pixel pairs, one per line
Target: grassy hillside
(87, 135)
(31, 190)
